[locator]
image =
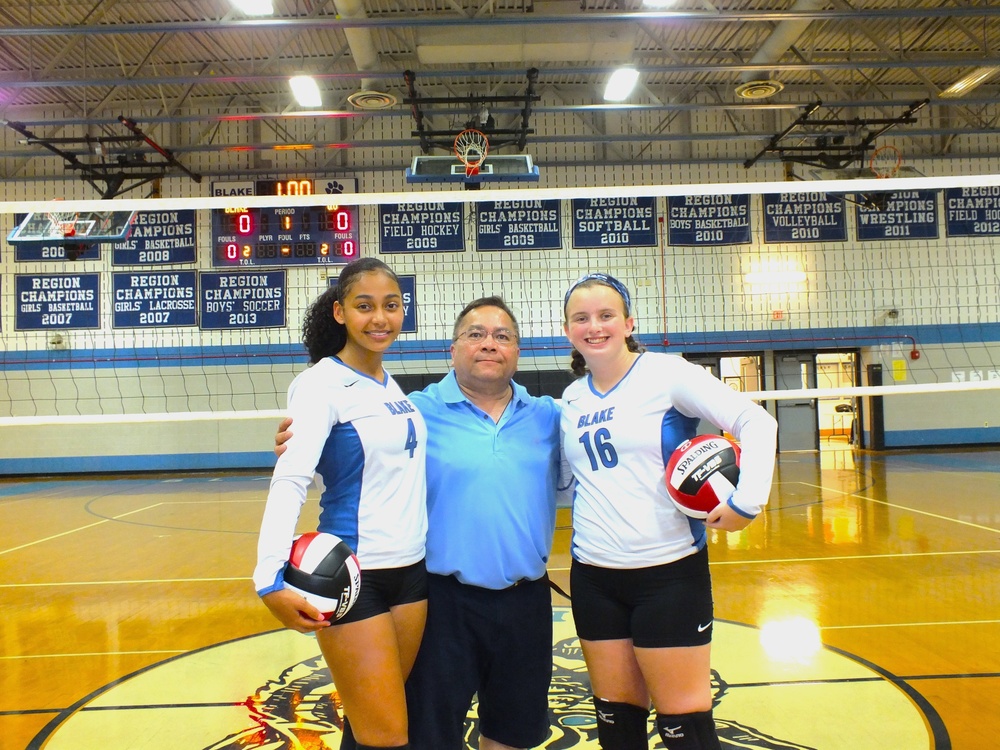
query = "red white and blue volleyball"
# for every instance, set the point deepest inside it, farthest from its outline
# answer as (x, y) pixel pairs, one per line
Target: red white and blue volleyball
(701, 473)
(325, 571)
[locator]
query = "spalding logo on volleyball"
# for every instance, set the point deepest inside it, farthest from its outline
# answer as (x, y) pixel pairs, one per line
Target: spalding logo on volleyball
(701, 473)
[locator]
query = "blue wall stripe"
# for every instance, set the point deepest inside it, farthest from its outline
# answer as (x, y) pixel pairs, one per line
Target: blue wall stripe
(806, 339)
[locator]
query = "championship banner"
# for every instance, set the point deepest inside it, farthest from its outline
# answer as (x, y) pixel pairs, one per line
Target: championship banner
(708, 220)
(421, 228)
(408, 286)
(972, 211)
(154, 300)
(158, 237)
(911, 214)
(248, 299)
(519, 225)
(804, 217)
(57, 301)
(614, 222)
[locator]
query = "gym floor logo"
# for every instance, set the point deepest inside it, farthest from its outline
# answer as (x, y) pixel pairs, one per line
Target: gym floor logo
(296, 711)
(301, 709)
(571, 711)
(272, 691)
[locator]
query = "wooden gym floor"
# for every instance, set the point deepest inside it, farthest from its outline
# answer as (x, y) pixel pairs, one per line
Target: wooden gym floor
(862, 610)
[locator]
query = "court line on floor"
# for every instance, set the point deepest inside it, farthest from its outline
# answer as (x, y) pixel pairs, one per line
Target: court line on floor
(904, 507)
(780, 560)
(148, 581)
(95, 653)
(909, 624)
(79, 528)
(880, 556)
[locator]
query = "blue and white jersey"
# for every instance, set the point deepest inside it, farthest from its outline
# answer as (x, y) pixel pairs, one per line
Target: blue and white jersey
(618, 444)
(367, 442)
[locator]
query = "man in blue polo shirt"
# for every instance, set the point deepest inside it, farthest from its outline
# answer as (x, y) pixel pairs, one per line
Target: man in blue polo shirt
(493, 472)
(492, 475)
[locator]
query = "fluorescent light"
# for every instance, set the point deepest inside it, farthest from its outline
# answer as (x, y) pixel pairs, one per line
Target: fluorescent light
(969, 81)
(254, 7)
(620, 84)
(306, 91)
(659, 3)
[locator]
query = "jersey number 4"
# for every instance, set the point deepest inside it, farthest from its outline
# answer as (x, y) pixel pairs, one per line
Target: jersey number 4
(411, 437)
(601, 448)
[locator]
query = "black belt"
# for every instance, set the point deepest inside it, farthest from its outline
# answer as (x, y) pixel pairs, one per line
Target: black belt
(518, 583)
(514, 585)
(552, 585)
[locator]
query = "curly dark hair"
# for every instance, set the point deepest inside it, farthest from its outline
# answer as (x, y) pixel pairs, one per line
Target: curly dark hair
(322, 335)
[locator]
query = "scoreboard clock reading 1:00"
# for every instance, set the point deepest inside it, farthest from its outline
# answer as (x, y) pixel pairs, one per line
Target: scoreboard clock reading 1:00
(283, 236)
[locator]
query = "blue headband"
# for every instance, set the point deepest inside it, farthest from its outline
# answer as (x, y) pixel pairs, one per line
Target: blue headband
(607, 280)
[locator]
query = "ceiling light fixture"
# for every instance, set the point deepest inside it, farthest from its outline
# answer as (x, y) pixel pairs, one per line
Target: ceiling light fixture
(620, 84)
(759, 88)
(969, 81)
(660, 4)
(254, 7)
(306, 91)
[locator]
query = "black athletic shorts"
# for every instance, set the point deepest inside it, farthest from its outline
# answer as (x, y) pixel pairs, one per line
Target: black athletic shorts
(494, 644)
(662, 606)
(386, 588)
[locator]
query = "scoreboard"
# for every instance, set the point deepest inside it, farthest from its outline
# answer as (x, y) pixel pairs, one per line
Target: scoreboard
(285, 236)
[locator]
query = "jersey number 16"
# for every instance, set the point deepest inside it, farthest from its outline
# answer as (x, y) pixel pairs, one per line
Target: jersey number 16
(600, 449)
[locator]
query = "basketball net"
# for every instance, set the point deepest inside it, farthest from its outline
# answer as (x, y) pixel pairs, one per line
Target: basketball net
(471, 148)
(886, 161)
(62, 224)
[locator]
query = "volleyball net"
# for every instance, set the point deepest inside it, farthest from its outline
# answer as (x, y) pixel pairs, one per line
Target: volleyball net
(194, 314)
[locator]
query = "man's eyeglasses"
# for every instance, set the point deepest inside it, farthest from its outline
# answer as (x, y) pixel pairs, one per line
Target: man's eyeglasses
(501, 336)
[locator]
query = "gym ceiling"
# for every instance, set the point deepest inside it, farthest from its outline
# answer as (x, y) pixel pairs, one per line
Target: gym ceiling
(718, 81)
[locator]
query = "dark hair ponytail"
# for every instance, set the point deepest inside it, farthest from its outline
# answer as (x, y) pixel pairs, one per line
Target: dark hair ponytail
(579, 365)
(322, 335)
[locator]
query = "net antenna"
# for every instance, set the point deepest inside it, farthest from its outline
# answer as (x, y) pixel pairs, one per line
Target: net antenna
(471, 148)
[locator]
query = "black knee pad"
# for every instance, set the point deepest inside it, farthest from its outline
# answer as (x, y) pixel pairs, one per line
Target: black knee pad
(621, 726)
(688, 731)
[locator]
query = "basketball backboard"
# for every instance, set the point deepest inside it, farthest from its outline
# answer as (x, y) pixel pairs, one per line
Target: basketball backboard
(860, 173)
(499, 168)
(873, 199)
(84, 227)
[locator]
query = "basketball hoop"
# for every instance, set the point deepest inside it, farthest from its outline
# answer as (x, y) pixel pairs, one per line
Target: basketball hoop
(63, 225)
(471, 147)
(886, 161)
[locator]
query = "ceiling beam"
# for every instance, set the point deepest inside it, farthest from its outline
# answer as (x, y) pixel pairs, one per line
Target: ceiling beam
(937, 62)
(525, 19)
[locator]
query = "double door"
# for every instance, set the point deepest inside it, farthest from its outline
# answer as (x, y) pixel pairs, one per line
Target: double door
(802, 422)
